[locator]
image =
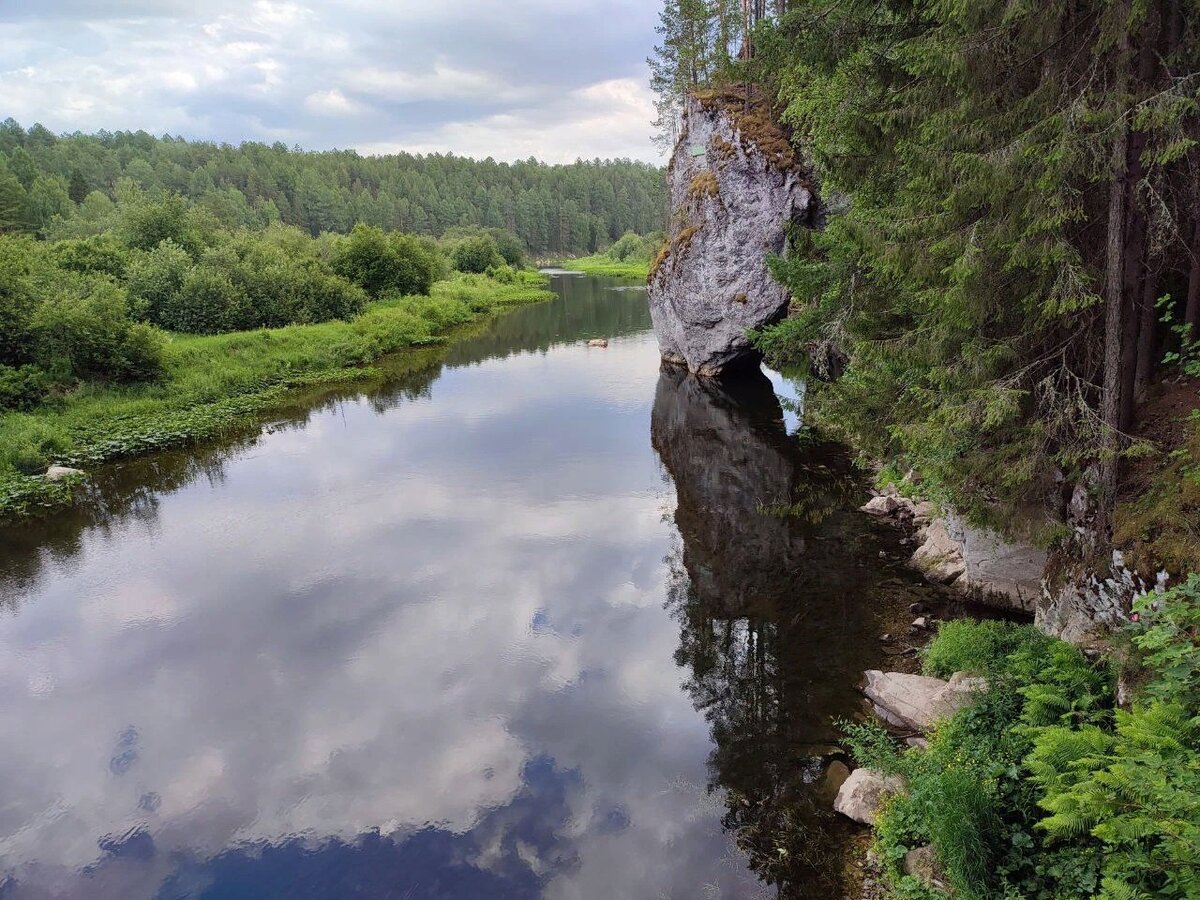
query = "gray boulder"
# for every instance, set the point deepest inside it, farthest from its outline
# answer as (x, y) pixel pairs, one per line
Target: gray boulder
(916, 701)
(863, 794)
(883, 505)
(734, 185)
(58, 473)
(939, 557)
(923, 864)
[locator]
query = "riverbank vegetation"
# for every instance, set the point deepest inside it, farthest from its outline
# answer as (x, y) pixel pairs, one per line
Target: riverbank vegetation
(165, 328)
(1046, 787)
(628, 257)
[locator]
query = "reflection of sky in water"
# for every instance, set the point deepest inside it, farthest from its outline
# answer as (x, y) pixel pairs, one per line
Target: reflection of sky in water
(791, 397)
(417, 654)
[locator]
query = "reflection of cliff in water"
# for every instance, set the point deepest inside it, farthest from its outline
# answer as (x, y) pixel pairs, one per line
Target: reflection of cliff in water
(771, 588)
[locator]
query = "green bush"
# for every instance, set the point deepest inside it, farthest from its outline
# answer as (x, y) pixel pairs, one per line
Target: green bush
(23, 387)
(84, 332)
(981, 648)
(476, 254)
(208, 302)
(101, 254)
(971, 794)
(385, 263)
(20, 262)
(1133, 791)
(155, 279)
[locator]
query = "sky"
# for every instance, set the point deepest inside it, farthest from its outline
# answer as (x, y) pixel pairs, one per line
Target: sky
(554, 79)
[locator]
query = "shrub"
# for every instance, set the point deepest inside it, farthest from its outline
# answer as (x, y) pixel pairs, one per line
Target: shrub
(509, 246)
(970, 794)
(23, 387)
(382, 263)
(155, 279)
(101, 254)
(981, 648)
(84, 332)
(208, 302)
(476, 254)
(629, 245)
(20, 260)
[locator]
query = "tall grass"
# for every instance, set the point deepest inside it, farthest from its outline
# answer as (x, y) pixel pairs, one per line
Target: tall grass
(213, 383)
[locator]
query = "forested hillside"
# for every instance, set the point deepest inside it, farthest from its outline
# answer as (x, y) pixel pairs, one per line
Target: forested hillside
(1009, 280)
(552, 208)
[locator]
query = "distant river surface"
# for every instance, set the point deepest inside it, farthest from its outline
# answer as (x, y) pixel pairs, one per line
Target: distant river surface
(522, 619)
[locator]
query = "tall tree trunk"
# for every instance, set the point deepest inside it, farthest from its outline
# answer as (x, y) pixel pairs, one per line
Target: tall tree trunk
(1147, 349)
(1192, 315)
(1114, 293)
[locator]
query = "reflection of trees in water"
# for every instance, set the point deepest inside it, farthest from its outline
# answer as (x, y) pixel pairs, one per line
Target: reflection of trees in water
(131, 491)
(773, 627)
(585, 308)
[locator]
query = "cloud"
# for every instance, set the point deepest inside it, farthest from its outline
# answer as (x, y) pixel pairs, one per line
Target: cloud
(528, 77)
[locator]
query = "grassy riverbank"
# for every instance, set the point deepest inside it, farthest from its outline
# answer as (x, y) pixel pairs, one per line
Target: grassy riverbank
(601, 264)
(215, 382)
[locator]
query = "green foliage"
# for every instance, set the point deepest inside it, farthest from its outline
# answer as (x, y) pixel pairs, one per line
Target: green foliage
(963, 274)
(526, 206)
(981, 648)
(83, 332)
(385, 263)
(1135, 789)
(23, 387)
(970, 794)
(476, 254)
(1041, 789)
(603, 264)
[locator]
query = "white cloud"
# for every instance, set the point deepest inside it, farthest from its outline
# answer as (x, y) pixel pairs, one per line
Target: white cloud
(331, 103)
(475, 78)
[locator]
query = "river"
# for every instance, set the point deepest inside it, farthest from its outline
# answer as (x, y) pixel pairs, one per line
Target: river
(523, 618)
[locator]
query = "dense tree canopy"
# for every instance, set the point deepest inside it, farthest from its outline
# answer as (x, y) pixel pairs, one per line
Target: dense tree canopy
(1022, 210)
(579, 207)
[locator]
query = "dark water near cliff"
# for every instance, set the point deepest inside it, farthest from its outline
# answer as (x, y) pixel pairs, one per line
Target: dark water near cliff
(526, 619)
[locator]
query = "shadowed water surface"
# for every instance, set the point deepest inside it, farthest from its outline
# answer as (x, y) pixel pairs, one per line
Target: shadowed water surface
(525, 619)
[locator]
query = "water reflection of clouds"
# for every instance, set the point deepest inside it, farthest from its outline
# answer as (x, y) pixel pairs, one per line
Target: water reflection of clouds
(338, 639)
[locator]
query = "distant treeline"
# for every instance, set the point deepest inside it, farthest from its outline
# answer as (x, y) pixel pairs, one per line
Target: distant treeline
(573, 208)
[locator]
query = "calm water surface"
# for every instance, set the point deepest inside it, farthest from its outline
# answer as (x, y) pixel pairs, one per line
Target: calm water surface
(525, 619)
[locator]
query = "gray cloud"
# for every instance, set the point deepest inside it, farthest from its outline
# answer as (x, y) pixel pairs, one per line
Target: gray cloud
(529, 77)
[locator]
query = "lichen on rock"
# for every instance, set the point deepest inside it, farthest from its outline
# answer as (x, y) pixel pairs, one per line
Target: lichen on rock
(736, 186)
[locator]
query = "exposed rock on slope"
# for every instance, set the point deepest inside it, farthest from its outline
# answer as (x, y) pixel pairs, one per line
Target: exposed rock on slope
(735, 186)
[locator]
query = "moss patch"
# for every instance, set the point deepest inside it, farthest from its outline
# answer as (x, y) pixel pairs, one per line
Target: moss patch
(678, 246)
(1157, 520)
(704, 185)
(756, 120)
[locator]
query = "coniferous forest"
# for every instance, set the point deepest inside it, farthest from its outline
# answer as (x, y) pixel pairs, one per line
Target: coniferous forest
(552, 209)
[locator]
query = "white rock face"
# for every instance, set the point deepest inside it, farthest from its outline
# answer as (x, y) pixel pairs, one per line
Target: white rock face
(862, 795)
(998, 568)
(917, 701)
(731, 202)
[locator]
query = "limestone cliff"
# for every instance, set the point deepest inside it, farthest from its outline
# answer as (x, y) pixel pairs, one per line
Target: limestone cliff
(735, 185)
